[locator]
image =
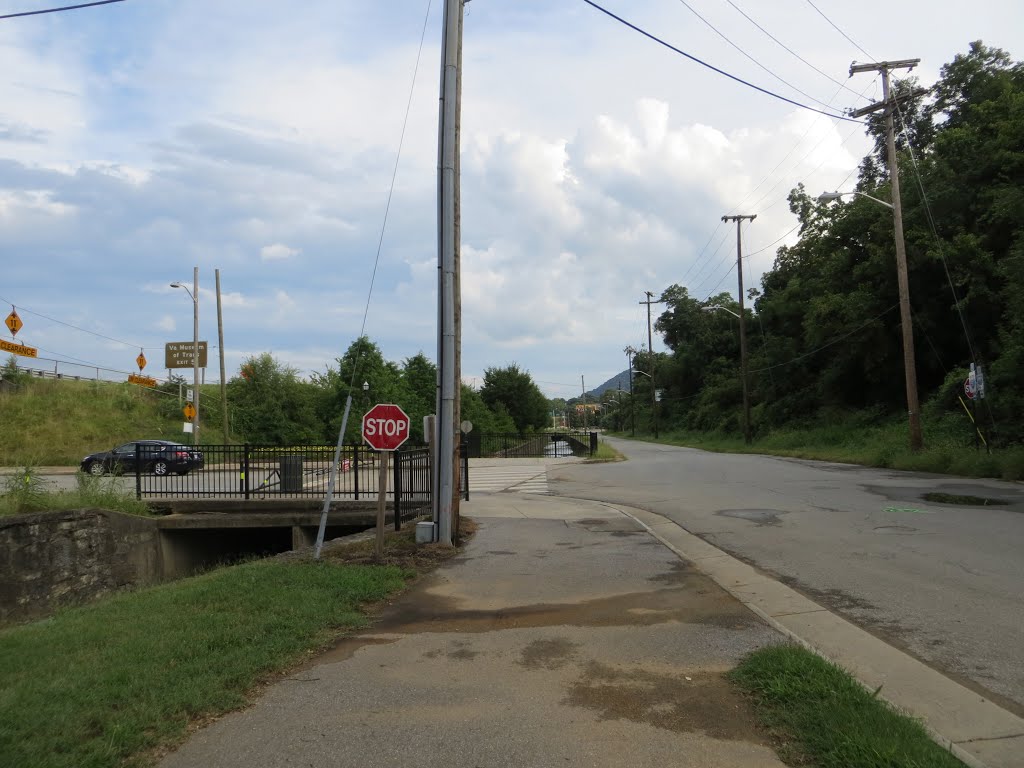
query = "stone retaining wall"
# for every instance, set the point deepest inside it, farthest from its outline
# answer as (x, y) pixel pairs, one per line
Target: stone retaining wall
(52, 559)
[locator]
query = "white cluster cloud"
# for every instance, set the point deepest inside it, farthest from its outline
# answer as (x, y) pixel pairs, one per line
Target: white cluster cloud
(595, 166)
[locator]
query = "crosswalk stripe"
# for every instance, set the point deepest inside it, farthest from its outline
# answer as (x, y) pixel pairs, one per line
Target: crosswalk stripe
(516, 479)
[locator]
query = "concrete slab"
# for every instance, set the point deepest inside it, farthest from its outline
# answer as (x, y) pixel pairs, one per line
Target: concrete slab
(562, 635)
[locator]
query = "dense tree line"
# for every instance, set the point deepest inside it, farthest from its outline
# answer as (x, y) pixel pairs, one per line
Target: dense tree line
(270, 403)
(824, 329)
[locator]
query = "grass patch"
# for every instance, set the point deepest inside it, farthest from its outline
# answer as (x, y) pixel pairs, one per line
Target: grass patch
(24, 491)
(118, 682)
(605, 453)
(825, 718)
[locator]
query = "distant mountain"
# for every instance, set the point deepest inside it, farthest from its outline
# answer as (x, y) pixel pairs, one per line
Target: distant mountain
(618, 381)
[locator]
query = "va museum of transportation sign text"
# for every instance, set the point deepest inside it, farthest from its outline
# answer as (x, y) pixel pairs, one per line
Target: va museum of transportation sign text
(179, 354)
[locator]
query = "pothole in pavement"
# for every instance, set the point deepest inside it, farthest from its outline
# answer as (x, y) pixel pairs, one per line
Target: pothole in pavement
(759, 516)
(895, 530)
(963, 500)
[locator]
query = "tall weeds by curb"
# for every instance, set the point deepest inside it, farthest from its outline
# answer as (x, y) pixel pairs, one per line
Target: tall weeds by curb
(825, 718)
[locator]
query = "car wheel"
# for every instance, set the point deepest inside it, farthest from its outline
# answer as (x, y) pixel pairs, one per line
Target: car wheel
(160, 468)
(96, 468)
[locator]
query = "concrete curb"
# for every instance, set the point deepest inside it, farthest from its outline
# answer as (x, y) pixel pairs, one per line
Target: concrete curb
(977, 731)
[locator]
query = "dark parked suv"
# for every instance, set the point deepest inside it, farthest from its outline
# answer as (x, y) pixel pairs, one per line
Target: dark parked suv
(161, 457)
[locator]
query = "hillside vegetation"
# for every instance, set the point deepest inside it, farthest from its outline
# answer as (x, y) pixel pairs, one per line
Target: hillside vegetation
(49, 422)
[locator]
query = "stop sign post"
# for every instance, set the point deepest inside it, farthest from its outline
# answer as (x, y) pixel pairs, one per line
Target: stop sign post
(385, 427)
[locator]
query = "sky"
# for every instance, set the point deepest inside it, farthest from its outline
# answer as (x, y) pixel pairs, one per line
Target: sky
(142, 139)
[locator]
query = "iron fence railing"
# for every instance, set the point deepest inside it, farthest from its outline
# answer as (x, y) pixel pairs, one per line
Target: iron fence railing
(276, 472)
(530, 445)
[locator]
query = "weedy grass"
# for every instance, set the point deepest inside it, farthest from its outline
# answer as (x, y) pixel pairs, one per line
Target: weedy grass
(106, 683)
(883, 445)
(25, 491)
(823, 717)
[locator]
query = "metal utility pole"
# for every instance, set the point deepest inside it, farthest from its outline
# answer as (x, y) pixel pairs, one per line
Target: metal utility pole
(223, 377)
(632, 410)
(195, 353)
(743, 326)
(446, 456)
(888, 104)
(650, 351)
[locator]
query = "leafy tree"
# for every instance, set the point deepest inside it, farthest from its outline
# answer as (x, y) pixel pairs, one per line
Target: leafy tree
(515, 391)
(270, 404)
(361, 364)
(484, 419)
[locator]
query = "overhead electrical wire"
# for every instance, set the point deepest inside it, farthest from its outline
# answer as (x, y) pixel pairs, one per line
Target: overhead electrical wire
(58, 10)
(722, 35)
(837, 29)
(829, 344)
(70, 325)
(790, 50)
(713, 68)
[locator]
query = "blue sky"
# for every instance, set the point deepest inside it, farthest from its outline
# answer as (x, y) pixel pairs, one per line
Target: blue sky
(143, 138)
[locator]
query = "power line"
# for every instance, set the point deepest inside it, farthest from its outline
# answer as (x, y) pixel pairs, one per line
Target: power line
(837, 29)
(831, 343)
(751, 58)
(790, 50)
(70, 325)
(58, 10)
(713, 68)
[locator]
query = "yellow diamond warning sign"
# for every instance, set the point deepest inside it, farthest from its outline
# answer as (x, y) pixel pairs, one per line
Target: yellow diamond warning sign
(141, 360)
(190, 411)
(13, 322)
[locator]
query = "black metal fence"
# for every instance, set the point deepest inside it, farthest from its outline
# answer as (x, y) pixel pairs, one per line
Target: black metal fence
(536, 445)
(294, 472)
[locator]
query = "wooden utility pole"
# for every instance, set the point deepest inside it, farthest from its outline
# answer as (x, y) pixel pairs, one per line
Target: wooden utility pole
(650, 352)
(632, 410)
(743, 325)
(220, 346)
(888, 104)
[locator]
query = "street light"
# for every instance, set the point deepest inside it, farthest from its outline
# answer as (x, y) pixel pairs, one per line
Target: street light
(828, 197)
(194, 295)
(713, 307)
(903, 281)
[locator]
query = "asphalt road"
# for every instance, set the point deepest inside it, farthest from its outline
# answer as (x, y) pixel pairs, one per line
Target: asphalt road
(944, 582)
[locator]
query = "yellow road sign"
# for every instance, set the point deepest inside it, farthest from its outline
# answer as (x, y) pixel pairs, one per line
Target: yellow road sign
(18, 349)
(190, 411)
(13, 322)
(145, 381)
(141, 360)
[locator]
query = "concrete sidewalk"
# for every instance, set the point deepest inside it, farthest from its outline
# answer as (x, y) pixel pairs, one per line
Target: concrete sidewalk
(565, 635)
(576, 633)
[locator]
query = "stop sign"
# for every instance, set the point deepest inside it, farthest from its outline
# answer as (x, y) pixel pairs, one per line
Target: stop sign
(385, 427)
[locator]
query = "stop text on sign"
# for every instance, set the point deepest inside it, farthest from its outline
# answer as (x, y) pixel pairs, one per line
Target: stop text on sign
(386, 427)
